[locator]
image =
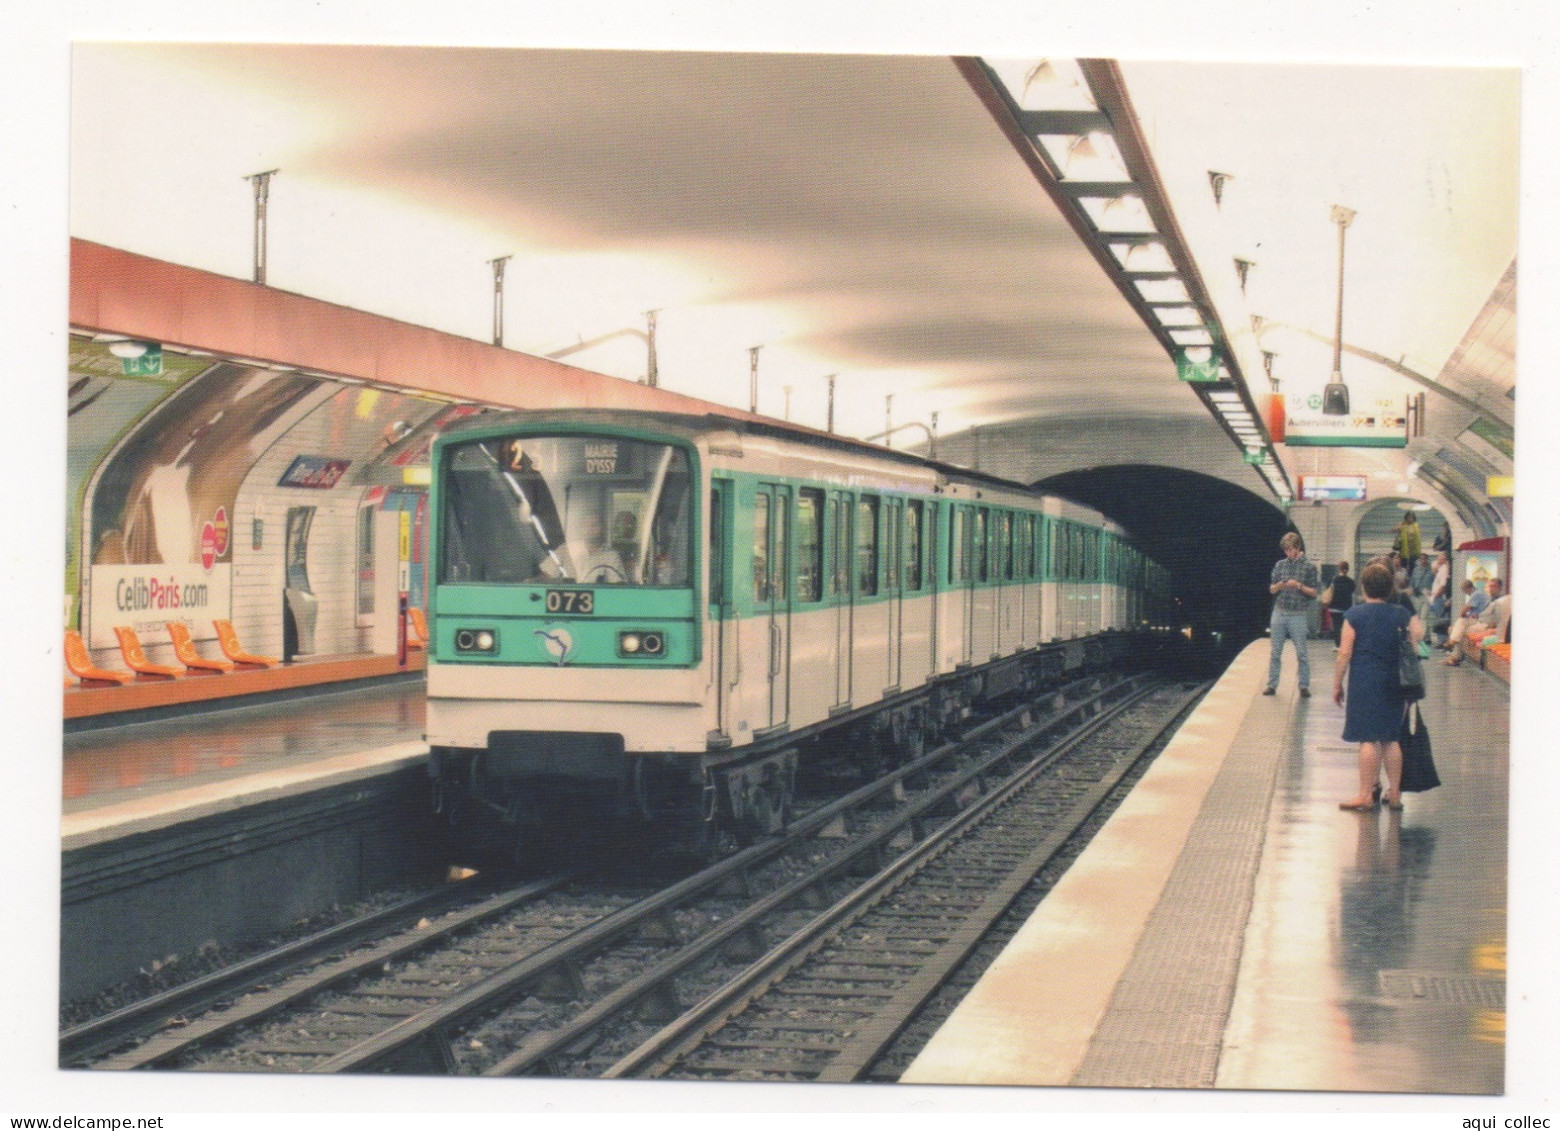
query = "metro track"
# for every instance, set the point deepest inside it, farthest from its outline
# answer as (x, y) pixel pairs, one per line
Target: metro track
(542, 978)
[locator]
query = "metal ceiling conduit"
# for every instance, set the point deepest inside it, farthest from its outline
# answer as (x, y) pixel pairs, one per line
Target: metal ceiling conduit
(1072, 123)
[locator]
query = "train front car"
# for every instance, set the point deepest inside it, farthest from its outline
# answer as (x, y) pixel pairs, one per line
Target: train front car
(565, 617)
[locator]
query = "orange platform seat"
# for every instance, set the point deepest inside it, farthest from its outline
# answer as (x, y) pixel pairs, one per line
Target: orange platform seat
(235, 652)
(418, 637)
(184, 648)
(79, 661)
(135, 657)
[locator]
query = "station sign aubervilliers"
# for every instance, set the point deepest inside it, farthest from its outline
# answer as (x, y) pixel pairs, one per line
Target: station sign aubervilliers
(1373, 415)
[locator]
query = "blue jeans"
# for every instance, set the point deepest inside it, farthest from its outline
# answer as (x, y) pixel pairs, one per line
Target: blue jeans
(1289, 626)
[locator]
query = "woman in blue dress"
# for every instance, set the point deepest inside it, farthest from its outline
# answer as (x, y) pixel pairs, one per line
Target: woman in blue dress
(1368, 652)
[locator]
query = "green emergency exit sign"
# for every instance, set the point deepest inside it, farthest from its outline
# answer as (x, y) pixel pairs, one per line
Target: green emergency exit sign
(149, 364)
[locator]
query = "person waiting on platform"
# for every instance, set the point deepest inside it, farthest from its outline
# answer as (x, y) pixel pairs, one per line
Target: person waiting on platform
(1341, 592)
(1373, 716)
(1491, 623)
(1421, 579)
(1293, 584)
(1406, 541)
(1441, 597)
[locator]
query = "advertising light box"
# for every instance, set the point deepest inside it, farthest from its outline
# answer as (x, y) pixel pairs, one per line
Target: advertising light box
(1332, 488)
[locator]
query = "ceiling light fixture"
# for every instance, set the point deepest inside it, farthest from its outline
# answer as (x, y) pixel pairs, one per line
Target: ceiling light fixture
(1073, 123)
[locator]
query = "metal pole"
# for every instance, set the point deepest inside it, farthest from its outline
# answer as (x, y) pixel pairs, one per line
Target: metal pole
(498, 298)
(652, 372)
(975, 436)
(1341, 216)
(830, 426)
(932, 439)
(753, 378)
(888, 421)
(262, 183)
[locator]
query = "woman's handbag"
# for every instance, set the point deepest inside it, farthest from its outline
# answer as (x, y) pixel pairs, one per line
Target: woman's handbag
(1418, 766)
(1326, 597)
(1411, 670)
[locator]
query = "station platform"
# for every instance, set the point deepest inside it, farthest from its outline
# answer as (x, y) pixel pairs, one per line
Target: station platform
(136, 776)
(115, 704)
(1230, 927)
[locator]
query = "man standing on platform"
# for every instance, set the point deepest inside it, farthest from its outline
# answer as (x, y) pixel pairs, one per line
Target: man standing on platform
(1294, 584)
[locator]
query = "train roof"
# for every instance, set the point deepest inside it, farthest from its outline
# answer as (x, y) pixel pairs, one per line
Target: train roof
(696, 424)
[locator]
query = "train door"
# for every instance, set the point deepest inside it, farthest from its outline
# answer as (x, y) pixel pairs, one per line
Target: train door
(893, 526)
(959, 581)
(979, 601)
(839, 507)
(931, 563)
(719, 645)
(772, 591)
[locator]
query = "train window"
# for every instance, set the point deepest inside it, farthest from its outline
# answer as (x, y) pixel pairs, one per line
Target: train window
(893, 526)
(839, 547)
(809, 544)
(779, 571)
(914, 513)
(1005, 541)
(958, 561)
(867, 545)
(761, 547)
(982, 524)
(717, 549)
(592, 509)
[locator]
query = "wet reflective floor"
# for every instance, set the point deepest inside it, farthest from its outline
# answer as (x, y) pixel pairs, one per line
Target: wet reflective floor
(104, 767)
(1374, 957)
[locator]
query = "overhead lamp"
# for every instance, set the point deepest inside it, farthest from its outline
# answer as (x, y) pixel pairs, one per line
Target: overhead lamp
(1118, 214)
(1162, 290)
(1051, 84)
(1222, 397)
(1147, 258)
(1178, 315)
(127, 348)
(1086, 157)
(1197, 337)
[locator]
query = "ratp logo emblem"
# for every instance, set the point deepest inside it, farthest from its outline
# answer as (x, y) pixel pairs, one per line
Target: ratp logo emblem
(558, 642)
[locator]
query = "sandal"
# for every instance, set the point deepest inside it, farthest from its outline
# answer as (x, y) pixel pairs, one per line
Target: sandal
(1396, 806)
(1358, 806)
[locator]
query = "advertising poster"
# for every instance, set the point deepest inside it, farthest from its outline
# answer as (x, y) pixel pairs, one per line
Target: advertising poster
(160, 511)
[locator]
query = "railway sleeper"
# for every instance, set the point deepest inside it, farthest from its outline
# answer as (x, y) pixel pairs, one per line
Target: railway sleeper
(661, 1004)
(560, 982)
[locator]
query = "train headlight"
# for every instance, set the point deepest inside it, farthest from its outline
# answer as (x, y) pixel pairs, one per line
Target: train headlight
(641, 644)
(476, 640)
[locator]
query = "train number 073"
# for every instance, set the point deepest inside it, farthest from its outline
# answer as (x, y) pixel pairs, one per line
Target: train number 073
(581, 601)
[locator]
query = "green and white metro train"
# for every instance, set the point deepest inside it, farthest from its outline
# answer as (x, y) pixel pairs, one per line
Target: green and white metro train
(658, 614)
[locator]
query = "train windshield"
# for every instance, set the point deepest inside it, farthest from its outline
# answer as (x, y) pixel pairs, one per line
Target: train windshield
(593, 510)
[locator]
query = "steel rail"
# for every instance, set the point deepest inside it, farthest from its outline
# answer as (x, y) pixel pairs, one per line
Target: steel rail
(101, 1034)
(172, 1043)
(657, 1054)
(659, 981)
(417, 1042)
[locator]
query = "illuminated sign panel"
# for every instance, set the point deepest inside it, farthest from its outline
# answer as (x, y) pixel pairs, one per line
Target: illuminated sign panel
(1332, 488)
(1361, 414)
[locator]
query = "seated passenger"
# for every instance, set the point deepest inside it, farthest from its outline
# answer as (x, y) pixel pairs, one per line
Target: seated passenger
(1490, 623)
(614, 562)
